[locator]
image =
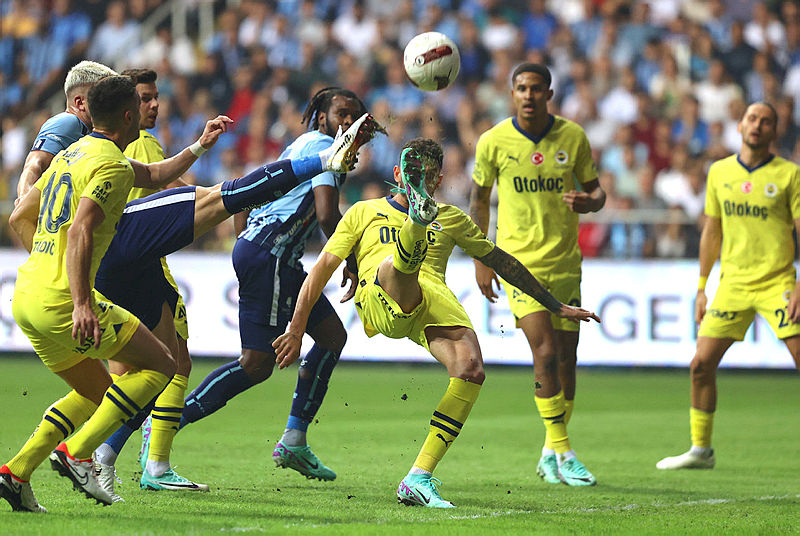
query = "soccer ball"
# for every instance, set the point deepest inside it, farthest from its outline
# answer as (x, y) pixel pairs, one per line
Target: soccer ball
(431, 61)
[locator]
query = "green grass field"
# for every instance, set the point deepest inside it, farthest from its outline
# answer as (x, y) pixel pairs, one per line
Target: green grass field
(625, 421)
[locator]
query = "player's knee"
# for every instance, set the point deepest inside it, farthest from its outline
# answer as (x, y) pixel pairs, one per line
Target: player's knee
(701, 371)
(257, 365)
(471, 370)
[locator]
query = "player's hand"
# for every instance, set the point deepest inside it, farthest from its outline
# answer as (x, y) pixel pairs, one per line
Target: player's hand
(214, 130)
(793, 309)
(579, 202)
(347, 275)
(85, 326)
(487, 281)
(287, 349)
(700, 303)
(576, 314)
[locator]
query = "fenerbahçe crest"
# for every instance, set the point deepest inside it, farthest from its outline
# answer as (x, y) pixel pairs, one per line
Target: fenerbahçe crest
(562, 157)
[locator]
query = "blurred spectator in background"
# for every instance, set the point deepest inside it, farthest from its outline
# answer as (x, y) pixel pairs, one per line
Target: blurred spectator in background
(652, 83)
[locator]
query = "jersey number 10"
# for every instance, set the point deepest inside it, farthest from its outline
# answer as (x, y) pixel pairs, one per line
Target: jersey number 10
(52, 217)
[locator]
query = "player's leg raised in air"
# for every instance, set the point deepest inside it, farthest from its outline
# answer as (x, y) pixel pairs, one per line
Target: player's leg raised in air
(171, 220)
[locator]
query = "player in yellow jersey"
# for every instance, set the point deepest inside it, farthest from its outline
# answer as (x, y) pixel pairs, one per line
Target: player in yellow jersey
(402, 245)
(83, 193)
(154, 298)
(539, 161)
(753, 201)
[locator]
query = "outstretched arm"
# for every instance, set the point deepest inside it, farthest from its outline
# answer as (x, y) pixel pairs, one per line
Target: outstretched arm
(515, 273)
(287, 346)
(710, 245)
(161, 173)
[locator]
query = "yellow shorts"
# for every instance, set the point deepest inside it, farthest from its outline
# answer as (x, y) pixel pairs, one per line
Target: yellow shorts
(566, 288)
(49, 328)
(380, 313)
(733, 310)
(181, 322)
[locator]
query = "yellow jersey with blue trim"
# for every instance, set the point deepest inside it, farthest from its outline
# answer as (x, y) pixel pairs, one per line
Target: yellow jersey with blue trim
(757, 207)
(92, 167)
(534, 224)
(145, 149)
(370, 229)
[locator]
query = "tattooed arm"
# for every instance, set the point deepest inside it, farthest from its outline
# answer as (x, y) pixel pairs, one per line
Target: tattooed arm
(513, 271)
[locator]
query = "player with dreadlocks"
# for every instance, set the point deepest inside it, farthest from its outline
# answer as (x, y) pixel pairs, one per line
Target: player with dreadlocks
(271, 241)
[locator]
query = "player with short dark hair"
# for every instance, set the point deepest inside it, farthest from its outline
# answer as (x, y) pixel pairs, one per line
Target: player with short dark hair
(538, 161)
(67, 221)
(154, 298)
(402, 244)
(752, 208)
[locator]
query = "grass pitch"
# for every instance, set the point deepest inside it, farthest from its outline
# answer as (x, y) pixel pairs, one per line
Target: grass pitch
(369, 432)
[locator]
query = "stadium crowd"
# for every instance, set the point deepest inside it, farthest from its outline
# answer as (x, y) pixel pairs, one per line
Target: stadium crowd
(658, 85)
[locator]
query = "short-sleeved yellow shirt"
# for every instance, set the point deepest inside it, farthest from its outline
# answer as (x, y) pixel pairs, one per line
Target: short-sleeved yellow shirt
(757, 207)
(92, 167)
(532, 173)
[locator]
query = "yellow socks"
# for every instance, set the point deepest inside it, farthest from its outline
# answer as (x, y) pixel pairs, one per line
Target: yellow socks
(166, 418)
(701, 423)
(60, 420)
(449, 417)
(553, 413)
(412, 246)
(568, 405)
(124, 399)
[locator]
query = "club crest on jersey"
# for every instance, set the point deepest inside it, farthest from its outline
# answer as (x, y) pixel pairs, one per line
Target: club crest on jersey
(747, 187)
(537, 159)
(786, 295)
(771, 190)
(562, 157)
(436, 226)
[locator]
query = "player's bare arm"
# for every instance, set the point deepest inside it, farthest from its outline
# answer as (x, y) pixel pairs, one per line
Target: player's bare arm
(166, 171)
(287, 346)
(80, 242)
(710, 244)
(24, 218)
(326, 205)
(35, 164)
(480, 198)
(591, 199)
(794, 299)
(515, 273)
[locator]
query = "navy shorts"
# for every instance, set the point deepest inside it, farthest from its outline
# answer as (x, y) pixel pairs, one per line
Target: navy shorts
(130, 273)
(268, 292)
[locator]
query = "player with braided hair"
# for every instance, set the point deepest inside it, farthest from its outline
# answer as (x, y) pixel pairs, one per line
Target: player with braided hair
(266, 257)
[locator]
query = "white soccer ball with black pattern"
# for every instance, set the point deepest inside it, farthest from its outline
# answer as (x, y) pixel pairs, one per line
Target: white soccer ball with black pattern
(432, 61)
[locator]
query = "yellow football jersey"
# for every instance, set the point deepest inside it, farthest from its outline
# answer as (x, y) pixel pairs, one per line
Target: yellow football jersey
(370, 229)
(757, 208)
(533, 222)
(92, 167)
(145, 149)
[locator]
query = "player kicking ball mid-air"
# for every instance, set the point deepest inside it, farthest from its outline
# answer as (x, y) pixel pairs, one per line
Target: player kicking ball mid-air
(752, 207)
(172, 219)
(402, 244)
